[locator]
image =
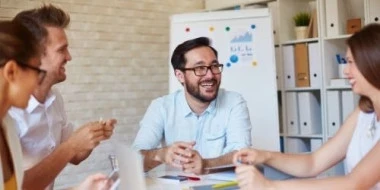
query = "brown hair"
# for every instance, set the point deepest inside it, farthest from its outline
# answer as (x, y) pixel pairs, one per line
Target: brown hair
(178, 58)
(47, 15)
(16, 43)
(365, 48)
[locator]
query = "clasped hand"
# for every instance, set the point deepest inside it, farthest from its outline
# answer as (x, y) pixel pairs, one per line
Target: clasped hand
(182, 155)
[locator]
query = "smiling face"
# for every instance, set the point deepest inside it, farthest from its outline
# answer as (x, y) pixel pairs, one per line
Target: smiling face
(202, 88)
(358, 82)
(56, 55)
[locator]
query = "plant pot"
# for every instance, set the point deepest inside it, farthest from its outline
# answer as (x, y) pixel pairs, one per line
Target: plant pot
(301, 32)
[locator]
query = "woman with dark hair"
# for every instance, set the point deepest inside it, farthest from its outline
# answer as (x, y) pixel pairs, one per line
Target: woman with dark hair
(19, 76)
(357, 141)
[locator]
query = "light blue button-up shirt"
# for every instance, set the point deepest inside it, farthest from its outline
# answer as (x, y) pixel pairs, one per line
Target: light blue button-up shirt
(223, 127)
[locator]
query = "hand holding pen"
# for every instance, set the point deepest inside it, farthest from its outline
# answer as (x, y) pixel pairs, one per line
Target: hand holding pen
(108, 127)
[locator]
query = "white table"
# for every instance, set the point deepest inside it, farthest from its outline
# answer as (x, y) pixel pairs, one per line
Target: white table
(154, 184)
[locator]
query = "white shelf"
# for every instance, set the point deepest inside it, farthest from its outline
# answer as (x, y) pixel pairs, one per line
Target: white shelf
(300, 89)
(329, 47)
(338, 87)
(227, 4)
(291, 42)
(317, 136)
(345, 36)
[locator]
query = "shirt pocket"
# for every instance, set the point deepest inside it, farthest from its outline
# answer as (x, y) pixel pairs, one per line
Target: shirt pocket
(215, 144)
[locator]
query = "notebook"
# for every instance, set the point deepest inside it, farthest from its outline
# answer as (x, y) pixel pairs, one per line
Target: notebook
(130, 168)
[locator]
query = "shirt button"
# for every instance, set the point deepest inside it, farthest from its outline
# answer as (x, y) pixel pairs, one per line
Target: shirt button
(52, 147)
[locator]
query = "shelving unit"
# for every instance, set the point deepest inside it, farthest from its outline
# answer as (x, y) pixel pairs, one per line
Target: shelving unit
(329, 98)
(226, 4)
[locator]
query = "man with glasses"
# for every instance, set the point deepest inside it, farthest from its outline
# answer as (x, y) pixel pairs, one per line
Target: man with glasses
(200, 126)
(47, 138)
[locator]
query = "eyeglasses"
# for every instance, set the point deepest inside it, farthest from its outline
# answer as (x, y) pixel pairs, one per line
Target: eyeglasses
(41, 72)
(202, 70)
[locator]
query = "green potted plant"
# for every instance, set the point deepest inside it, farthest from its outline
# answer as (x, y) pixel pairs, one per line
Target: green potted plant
(301, 21)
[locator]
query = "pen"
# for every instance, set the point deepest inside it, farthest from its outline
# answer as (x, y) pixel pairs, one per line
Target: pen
(101, 120)
(191, 178)
(338, 58)
(225, 184)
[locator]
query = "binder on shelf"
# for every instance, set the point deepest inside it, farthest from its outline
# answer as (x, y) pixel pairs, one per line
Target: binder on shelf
(315, 144)
(288, 59)
(297, 145)
(335, 17)
(309, 113)
(282, 146)
(338, 169)
(278, 67)
(280, 112)
(374, 15)
(315, 24)
(353, 25)
(292, 125)
(339, 82)
(315, 65)
(302, 72)
(273, 7)
(349, 102)
(333, 111)
(312, 29)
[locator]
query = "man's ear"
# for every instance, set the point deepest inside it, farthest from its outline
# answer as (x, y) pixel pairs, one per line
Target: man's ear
(10, 71)
(180, 75)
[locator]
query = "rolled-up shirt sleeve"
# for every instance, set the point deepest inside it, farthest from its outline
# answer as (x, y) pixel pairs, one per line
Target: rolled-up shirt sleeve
(151, 129)
(239, 126)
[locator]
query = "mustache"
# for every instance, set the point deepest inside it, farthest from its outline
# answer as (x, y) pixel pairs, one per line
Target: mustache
(211, 80)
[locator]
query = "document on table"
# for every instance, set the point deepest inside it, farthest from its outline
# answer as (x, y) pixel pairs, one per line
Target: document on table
(222, 176)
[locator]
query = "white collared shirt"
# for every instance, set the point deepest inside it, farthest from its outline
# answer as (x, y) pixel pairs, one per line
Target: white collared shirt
(41, 127)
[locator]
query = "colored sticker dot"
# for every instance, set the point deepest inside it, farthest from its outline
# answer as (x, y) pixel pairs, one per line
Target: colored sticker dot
(187, 29)
(211, 29)
(227, 28)
(254, 63)
(234, 58)
(228, 64)
(253, 26)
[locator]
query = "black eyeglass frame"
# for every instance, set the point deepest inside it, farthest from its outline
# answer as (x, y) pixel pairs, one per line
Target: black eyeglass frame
(198, 69)
(41, 72)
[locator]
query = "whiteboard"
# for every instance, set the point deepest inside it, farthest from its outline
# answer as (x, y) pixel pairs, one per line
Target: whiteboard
(244, 41)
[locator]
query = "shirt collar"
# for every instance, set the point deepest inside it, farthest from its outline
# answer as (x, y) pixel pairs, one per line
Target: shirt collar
(34, 103)
(185, 106)
(187, 110)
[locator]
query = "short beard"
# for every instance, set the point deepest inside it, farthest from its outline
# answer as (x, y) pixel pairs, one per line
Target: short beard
(195, 92)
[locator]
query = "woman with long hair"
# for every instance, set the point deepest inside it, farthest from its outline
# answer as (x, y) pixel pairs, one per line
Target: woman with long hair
(19, 76)
(357, 141)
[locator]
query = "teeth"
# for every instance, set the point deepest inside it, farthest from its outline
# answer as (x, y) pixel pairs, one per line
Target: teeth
(207, 83)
